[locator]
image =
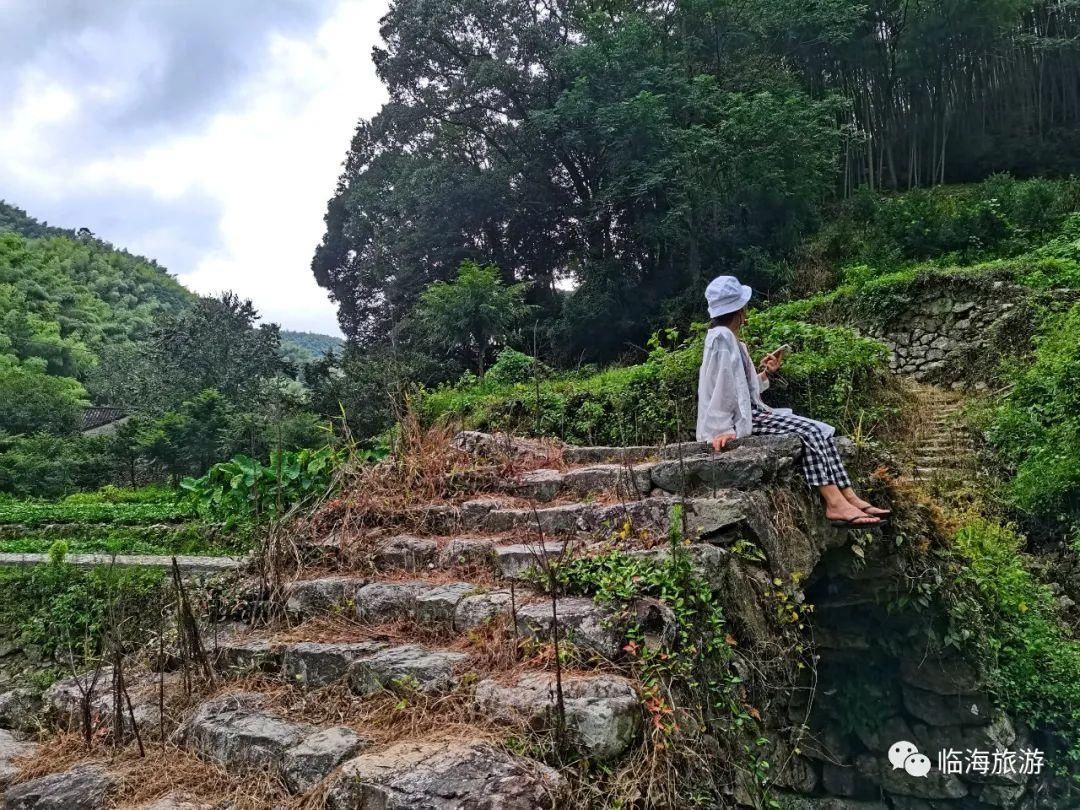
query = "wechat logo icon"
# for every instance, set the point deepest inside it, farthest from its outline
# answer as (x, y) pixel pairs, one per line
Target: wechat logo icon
(904, 755)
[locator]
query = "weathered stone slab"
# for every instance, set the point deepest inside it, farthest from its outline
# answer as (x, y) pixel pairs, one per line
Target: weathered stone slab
(311, 664)
(20, 709)
(514, 560)
(256, 655)
(177, 801)
(581, 622)
(502, 445)
(709, 516)
(81, 788)
(555, 521)
(444, 776)
(64, 699)
(406, 553)
(406, 668)
(624, 480)
(539, 485)
(437, 605)
(307, 763)
(311, 597)
(234, 732)
(935, 785)
(466, 551)
(609, 455)
(944, 676)
(603, 714)
(11, 749)
(744, 467)
(480, 609)
(382, 602)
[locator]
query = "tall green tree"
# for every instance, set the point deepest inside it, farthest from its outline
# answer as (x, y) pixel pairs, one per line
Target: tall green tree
(473, 313)
(32, 401)
(216, 344)
(625, 150)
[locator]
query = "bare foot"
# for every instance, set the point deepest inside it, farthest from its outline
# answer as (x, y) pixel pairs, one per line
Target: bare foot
(865, 506)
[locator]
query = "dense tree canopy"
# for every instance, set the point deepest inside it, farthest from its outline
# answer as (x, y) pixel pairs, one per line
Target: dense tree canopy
(627, 150)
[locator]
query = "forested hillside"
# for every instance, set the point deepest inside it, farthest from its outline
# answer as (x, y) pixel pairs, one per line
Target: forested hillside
(307, 346)
(82, 323)
(67, 302)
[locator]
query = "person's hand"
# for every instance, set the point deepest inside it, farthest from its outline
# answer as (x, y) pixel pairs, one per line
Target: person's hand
(771, 363)
(720, 442)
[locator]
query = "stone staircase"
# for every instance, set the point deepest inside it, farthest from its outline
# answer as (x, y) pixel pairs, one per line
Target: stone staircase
(450, 616)
(417, 662)
(941, 445)
(414, 661)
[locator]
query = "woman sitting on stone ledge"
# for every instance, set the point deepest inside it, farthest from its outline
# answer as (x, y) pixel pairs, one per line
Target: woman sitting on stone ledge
(730, 406)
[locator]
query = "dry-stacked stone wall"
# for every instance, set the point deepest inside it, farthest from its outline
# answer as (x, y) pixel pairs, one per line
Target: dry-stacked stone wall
(955, 333)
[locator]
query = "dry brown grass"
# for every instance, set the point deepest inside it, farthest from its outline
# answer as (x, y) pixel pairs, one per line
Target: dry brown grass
(165, 769)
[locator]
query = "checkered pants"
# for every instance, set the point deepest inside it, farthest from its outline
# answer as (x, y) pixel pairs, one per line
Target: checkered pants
(821, 458)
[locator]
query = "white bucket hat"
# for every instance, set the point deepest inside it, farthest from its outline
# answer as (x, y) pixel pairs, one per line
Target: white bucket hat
(725, 294)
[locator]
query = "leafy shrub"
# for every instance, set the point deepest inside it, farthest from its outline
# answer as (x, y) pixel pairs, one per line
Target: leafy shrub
(1035, 429)
(243, 489)
(512, 366)
(60, 608)
(153, 493)
(1000, 607)
(51, 466)
(832, 375)
(1000, 217)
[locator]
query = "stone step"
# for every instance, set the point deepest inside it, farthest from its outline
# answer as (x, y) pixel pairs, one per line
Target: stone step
(602, 712)
(928, 472)
(704, 516)
(752, 463)
(499, 554)
(236, 732)
(444, 774)
(12, 748)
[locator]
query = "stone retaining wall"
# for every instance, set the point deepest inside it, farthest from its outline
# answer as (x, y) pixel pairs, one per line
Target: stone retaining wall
(956, 333)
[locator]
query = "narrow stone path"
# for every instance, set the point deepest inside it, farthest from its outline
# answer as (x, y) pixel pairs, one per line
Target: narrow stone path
(187, 565)
(941, 444)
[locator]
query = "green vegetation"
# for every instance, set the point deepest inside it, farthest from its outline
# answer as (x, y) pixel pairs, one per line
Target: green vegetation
(1035, 428)
(38, 513)
(63, 611)
(303, 347)
(1001, 609)
(472, 313)
(638, 149)
(244, 490)
(831, 375)
(196, 539)
(149, 520)
(947, 225)
(66, 303)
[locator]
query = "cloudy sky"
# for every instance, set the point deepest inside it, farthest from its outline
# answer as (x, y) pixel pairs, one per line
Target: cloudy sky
(207, 134)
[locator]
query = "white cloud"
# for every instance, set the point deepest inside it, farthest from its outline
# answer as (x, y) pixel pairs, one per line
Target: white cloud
(256, 173)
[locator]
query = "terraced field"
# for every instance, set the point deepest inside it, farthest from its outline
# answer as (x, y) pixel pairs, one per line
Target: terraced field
(90, 524)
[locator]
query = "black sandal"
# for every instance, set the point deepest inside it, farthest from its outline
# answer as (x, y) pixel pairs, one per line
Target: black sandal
(854, 523)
